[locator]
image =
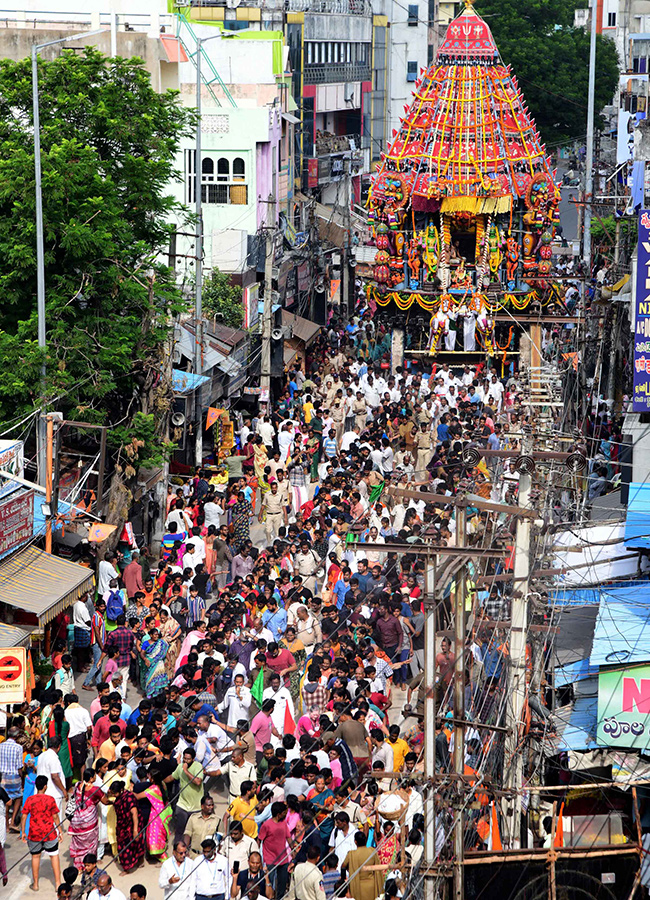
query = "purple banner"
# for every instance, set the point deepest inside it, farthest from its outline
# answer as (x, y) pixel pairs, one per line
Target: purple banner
(641, 392)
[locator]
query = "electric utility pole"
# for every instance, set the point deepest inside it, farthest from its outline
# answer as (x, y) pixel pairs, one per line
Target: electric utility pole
(513, 761)
(267, 314)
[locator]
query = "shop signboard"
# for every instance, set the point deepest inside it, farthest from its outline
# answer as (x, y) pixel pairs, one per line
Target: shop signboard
(624, 708)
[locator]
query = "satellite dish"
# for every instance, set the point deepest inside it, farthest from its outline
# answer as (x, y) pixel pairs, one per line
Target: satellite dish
(178, 419)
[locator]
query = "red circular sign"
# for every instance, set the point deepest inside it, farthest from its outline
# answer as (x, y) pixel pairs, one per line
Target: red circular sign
(11, 668)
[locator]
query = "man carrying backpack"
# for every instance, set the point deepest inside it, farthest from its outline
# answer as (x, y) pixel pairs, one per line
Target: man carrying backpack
(122, 638)
(115, 603)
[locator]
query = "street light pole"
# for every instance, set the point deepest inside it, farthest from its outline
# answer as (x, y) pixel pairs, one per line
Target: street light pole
(198, 292)
(40, 243)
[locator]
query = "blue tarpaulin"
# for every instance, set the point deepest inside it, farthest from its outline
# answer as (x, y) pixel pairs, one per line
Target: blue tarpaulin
(576, 724)
(637, 523)
(184, 382)
(576, 671)
(587, 596)
(622, 632)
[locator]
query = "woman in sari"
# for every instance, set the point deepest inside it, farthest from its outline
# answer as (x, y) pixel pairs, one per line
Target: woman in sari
(154, 653)
(130, 842)
(260, 457)
(323, 799)
(295, 646)
(84, 824)
(248, 452)
(157, 832)
(388, 845)
(116, 771)
(240, 519)
(58, 727)
(210, 553)
(170, 632)
(313, 449)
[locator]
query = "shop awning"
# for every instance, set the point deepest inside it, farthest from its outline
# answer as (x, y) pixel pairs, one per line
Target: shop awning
(637, 523)
(42, 584)
(303, 329)
(186, 382)
(13, 636)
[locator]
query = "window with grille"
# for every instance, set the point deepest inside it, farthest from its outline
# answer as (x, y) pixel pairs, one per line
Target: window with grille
(412, 70)
(611, 20)
(223, 183)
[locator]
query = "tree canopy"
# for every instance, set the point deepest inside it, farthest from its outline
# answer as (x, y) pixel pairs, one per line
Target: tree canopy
(108, 143)
(551, 61)
(222, 299)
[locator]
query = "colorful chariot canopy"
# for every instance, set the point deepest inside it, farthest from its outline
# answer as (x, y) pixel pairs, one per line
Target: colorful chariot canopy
(467, 137)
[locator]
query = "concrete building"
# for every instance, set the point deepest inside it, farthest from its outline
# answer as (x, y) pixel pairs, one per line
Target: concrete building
(352, 64)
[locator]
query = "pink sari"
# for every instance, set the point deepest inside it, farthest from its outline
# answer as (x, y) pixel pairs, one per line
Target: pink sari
(158, 826)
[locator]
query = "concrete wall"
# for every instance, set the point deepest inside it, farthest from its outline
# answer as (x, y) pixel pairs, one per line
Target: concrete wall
(325, 27)
(408, 43)
(16, 43)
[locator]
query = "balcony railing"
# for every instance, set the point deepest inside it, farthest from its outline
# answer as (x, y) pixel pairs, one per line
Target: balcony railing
(334, 7)
(328, 73)
(327, 143)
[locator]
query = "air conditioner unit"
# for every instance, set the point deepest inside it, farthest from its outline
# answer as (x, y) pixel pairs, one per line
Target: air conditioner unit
(182, 3)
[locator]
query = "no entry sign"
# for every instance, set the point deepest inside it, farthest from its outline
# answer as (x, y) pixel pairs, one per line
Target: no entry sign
(13, 664)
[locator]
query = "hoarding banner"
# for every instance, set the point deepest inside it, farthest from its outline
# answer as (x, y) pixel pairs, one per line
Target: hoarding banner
(641, 391)
(16, 521)
(624, 708)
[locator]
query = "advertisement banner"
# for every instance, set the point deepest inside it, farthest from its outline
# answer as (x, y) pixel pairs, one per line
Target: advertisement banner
(641, 391)
(624, 708)
(16, 521)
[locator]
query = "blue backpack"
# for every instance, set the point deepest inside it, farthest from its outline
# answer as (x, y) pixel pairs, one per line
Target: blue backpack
(114, 605)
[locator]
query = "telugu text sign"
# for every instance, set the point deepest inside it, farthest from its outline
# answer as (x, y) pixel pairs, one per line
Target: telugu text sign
(16, 521)
(13, 675)
(641, 389)
(624, 708)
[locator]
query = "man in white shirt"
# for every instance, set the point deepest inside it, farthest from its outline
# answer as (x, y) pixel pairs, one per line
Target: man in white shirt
(210, 874)
(244, 431)
(237, 847)
(105, 573)
(105, 890)
(191, 558)
(342, 839)
(349, 438)
(175, 875)
(50, 766)
(213, 512)
(282, 696)
(81, 728)
(266, 430)
(237, 701)
(371, 394)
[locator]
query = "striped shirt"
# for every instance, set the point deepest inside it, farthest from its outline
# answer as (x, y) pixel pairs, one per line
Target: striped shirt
(330, 447)
(99, 624)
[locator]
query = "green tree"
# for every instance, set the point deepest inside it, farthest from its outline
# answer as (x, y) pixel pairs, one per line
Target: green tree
(223, 300)
(109, 142)
(551, 61)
